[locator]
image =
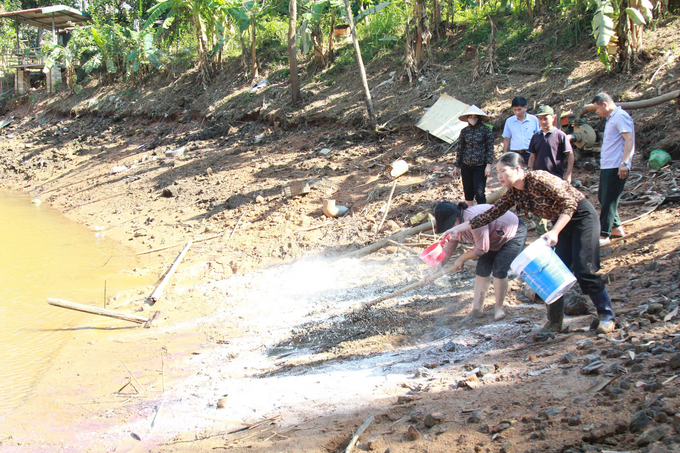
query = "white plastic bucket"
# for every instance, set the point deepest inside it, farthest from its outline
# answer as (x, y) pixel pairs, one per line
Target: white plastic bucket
(544, 271)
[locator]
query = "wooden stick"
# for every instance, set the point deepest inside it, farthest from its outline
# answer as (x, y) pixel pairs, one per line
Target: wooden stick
(126, 384)
(156, 294)
(380, 244)
(236, 226)
(446, 270)
(361, 429)
(255, 425)
(133, 379)
(152, 320)
(97, 311)
(387, 208)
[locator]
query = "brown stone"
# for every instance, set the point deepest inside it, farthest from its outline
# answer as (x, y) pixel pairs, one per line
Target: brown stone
(412, 433)
(433, 419)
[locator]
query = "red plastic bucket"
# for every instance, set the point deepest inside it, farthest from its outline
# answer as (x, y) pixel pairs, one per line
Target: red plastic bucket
(434, 254)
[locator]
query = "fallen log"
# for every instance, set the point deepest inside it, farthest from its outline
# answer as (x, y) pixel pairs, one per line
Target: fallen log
(384, 242)
(97, 311)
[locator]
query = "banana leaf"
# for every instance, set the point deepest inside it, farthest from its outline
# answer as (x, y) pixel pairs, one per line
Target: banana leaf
(603, 24)
(647, 9)
(636, 16)
(154, 60)
(371, 10)
(111, 66)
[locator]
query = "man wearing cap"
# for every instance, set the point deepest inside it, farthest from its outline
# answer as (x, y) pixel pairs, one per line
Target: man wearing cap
(519, 129)
(550, 149)
(474, 155)
(616, 157)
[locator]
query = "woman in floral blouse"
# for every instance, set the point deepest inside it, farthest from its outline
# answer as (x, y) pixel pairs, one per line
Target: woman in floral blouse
(575, 231)
(474, 155)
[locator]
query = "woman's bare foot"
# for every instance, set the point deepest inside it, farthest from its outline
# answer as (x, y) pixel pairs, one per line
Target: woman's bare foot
(498, 314)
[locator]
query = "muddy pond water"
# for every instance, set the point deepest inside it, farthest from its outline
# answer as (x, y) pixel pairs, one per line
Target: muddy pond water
(43, 254)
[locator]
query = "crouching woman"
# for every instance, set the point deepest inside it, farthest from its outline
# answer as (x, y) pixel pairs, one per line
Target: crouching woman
(495, 245)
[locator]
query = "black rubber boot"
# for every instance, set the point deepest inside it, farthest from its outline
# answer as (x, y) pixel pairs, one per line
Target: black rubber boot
(555, 316)
(605, 313)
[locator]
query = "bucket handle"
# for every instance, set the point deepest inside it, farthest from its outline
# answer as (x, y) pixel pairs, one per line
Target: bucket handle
(552, 254)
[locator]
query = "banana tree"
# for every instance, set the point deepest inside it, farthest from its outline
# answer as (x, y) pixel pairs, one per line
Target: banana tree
(314, 14)
(66, 56)
(254, 10)
(617, 28)
(231, 19)
(318, 12)
(201, 14)
(143, 50)
(292, 52)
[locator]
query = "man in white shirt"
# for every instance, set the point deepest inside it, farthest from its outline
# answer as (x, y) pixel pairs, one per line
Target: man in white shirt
(519, 129)
(616, 157)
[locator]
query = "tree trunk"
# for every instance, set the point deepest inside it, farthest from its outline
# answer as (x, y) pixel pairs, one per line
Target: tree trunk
(450, 13)
(624, 32)
(254, 65)
(330, 55)
(292, 52)
(419, 33)
(244, 51)
(436, 15)
(362, 70)
(203, 63)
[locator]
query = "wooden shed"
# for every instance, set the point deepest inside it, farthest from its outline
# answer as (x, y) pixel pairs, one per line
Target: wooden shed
(60, 20)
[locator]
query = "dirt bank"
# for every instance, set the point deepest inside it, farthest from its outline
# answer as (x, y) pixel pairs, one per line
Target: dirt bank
(262, 344)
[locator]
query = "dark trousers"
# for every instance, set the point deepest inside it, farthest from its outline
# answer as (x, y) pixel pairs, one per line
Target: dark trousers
(474, 182)
(578, 246)
(609, 194)
(499, 261)
(525, 155)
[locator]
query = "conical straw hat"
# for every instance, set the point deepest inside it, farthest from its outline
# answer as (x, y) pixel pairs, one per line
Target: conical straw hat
(473, 110)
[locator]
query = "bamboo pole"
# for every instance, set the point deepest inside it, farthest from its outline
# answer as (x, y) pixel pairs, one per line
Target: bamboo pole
(383, 243)
(156, 294)
(97, 311)
(496, 195)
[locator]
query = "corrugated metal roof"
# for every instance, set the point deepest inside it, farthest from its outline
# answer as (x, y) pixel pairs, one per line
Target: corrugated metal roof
(43, 17)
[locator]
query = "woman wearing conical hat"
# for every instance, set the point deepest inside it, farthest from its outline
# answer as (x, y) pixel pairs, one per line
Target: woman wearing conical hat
(474, 155)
